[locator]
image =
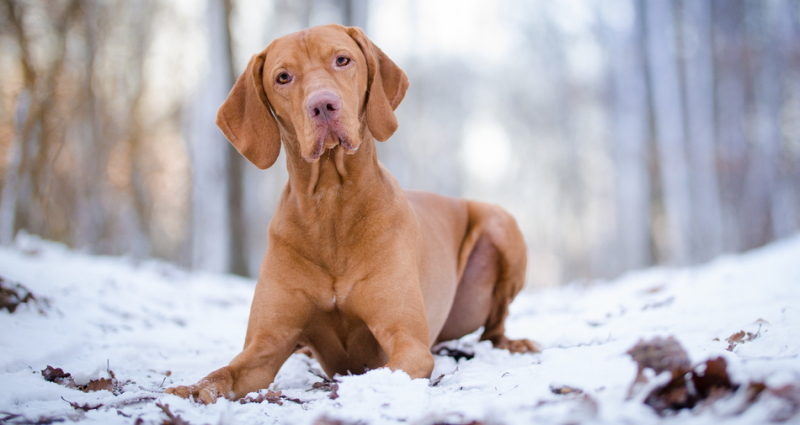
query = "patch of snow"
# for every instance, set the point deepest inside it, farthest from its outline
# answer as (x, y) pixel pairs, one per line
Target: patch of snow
(156, 326)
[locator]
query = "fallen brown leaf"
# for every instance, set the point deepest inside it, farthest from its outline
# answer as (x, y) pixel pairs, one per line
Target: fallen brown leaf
(654, 289)
(685, 390)
(334, 394)
(51, 374)
(790, 394)
(273, 397)
(659, 354)
(327, 385)
(565, 390)
(13, 294)
(321, 386)
(100, 384)
(741, 337)
(688, 386)
(753, 390)
(737, 337)
(714, 381)
(674, 395)
(60, 377)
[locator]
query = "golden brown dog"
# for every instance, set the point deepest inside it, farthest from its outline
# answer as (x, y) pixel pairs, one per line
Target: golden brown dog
(361, 272)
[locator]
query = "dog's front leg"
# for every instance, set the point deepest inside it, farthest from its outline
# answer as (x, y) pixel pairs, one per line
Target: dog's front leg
(277, 318)
(393, 309)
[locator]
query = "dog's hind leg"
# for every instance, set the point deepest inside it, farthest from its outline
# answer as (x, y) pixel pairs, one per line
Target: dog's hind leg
(494, 261)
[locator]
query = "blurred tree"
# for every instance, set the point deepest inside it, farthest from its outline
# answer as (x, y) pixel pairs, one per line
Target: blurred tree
(770, 200)
(213, 204)
(665, 86)
(631, 133)
(79, 163)
(730, 103)
(356, 13)
(238, 258)
(23, 182)
(698, 91)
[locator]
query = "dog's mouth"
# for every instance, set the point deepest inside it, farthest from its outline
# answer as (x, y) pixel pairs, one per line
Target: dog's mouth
(330, 137)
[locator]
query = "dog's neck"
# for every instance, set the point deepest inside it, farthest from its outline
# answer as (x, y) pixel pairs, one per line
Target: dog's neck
(329, 198)
(335, 173)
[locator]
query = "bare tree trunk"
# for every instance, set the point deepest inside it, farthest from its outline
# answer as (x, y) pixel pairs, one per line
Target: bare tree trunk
(668, 114)
(141, 244)
(23, 184)
(211, 235)
(238, 260)
(730, 102)
(17, 152)
(356, 13)
(8, 196)
(698, 73)
(92, 155)
(772, 46)
(630, 140)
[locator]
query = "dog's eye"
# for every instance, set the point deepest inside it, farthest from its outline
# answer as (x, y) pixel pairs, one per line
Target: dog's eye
(342, 60)
(283, 78)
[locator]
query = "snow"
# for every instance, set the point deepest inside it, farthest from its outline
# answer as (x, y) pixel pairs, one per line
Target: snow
(157, 326)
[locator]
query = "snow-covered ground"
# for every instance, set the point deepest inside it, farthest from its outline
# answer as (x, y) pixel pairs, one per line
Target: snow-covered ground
(155, 326)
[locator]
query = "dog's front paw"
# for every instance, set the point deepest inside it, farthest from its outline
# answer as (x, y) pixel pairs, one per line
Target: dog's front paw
(518, 345)
(198, 392)
(217, 384)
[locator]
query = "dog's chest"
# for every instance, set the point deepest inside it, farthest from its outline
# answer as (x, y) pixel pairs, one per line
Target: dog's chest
(331, 295)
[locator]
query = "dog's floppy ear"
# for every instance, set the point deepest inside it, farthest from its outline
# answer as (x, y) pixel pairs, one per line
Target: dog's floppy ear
(246, 120)
(386, 87)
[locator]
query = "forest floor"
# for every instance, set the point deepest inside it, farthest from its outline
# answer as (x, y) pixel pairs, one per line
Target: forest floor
(124, 330)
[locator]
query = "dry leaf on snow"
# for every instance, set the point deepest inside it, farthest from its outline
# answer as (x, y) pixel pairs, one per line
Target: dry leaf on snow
(688, 385)
(57, 375)
(273, 397)
(564, 389)
(741, 337)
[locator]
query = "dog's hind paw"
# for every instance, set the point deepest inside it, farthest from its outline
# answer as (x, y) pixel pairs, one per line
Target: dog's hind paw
(518, 345)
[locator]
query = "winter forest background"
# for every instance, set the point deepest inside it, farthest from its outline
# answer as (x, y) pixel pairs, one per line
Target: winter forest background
(620, 134)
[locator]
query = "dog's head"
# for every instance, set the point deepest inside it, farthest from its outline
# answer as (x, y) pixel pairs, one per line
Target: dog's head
(321, 87)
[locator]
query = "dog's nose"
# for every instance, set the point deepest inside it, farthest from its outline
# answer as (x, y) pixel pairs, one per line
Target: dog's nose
(323, 106)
